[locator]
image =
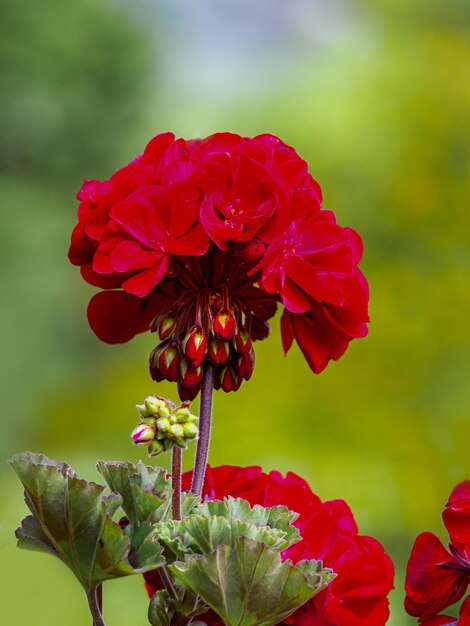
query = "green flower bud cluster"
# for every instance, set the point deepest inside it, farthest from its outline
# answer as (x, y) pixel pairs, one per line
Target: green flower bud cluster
(164, 425)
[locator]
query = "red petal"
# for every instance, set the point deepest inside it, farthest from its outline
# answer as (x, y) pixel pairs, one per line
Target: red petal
(144, 216)
(431, 588)
(340, 511)
(287, 332)
(456, 515)
(115, 316)
(142, 283)
(293, 299)
(104, 281)
(81, 249)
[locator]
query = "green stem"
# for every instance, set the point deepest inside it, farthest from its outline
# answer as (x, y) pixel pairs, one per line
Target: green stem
(94, 604)
(168, 582)
(205, 422)
(176, 461)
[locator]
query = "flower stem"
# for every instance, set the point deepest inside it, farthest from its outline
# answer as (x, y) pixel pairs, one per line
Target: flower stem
(176, 481)
(205, 420)
(168, 582)
(94, 601)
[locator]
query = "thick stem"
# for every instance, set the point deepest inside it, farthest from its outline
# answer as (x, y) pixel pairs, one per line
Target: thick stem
(93, 603)
(205, 421)
(176, 481)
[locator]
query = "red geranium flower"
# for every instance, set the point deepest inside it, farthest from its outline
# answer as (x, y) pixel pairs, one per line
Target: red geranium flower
(200, 240)
(445, 620)
(437, 578)
(358, 595)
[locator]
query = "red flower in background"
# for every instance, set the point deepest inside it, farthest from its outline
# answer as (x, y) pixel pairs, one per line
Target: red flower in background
(358, 595)
(435, 577)
(200, 240)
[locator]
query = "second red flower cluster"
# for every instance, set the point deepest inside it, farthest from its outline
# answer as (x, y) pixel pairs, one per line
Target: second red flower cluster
(436, 578)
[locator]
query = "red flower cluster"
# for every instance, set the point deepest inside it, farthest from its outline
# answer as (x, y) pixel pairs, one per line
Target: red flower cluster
(358, 595)
(199, 240)
(437, 578)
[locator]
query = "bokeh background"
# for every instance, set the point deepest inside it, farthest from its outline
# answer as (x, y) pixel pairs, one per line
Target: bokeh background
(375, 94)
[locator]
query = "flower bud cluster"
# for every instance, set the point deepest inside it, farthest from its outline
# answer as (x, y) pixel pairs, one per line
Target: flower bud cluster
(222, 340)
(164, 425)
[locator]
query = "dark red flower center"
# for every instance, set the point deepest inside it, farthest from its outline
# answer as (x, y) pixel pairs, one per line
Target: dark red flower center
(214, 319)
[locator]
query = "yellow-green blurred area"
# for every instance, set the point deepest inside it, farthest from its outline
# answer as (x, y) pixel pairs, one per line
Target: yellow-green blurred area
(375, 94)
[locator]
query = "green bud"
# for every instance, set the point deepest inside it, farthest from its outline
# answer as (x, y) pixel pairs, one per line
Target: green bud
(164, 411)
(142, 410)
(155, 448)
(181, 443)
(182, 415)
(168, 444)
(153, 404)
(163, 424)
(190, 430)
(194, 419)
(176, 430)
(173, 419)
(150, 421)
(160, 435)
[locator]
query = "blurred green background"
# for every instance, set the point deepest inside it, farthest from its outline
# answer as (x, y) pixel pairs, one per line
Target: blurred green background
(375, 94)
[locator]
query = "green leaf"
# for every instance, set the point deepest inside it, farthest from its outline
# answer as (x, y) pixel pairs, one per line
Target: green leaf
(202, 535)
(31, 537)
(276, 517)
(145, 552)
(145, 491)
(70, 520)
(159, 609)
(247, 584)
(189, 501)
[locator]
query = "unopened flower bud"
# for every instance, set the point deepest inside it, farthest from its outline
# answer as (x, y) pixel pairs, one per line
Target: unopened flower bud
(166, 327)
(229, 380)
(190, 430)
(195, 346)
(152, 404)
(164, 411)
(250, 365)
(143, 434)
(175, 430)
(142, 410)
(181, 443)
(188, 393)
(219, 352)
(190, 375)
(167, 444)
(164, 362)
(224, 325)
(155, 448)
(242, 341)
(150, 421)
(182, 415)
(163, 424)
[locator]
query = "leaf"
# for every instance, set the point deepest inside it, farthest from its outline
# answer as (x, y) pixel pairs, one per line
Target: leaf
(188, 502)
(31, 537)
(159, 613)
(276, 517)
(145, 490)
(145, 552)
(247, 584)
(70, 520)
(202, 535)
